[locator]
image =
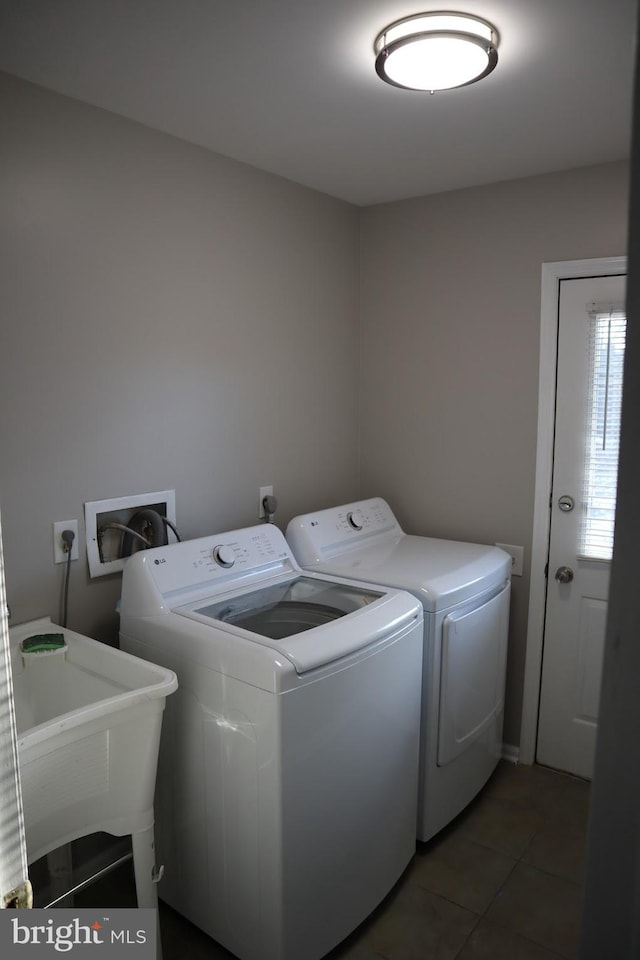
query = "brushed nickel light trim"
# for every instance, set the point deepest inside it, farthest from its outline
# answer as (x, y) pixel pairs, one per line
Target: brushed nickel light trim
(433, 51)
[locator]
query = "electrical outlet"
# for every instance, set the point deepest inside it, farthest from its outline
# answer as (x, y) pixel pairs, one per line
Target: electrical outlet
(60, 554)
(263, 492)
(517, 557)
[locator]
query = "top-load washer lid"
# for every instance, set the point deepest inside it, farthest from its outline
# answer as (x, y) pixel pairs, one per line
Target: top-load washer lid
(285, 609)
(364, 541)
(247, 587)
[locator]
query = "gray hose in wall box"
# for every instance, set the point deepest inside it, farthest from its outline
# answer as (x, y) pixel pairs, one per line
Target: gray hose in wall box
(150, 523)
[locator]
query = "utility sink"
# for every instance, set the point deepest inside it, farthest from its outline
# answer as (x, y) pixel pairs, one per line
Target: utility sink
(88, 718)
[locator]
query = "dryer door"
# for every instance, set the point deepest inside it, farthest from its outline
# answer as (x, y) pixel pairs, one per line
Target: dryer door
(472, 673)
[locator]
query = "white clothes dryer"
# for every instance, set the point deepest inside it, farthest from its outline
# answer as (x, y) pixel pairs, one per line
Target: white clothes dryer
(288, 772)
(464, 589)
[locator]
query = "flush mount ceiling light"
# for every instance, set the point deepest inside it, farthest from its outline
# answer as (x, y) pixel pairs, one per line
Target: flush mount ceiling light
(436, 51)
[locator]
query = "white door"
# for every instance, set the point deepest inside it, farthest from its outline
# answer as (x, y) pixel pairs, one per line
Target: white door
(591, 324)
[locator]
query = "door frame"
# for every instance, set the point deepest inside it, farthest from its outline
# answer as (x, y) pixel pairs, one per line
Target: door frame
(552, 274)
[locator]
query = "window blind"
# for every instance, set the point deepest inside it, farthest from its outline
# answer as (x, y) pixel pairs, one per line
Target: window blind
(607, 329)
(15, 889)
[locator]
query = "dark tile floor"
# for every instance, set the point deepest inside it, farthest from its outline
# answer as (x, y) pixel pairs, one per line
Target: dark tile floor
(503, 882)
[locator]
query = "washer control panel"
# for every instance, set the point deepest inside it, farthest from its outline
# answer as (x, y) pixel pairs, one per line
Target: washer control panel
(220, 558)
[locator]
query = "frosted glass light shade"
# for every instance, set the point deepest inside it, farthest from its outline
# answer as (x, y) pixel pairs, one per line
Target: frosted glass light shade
(436, 51)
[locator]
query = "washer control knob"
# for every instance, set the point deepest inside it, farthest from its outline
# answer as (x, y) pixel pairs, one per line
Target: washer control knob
(224, 555)
(351, 517)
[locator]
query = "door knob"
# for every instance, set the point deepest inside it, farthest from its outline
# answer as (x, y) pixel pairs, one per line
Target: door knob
(564, 574)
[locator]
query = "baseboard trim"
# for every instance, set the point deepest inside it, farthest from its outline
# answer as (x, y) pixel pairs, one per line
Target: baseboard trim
(510, 753)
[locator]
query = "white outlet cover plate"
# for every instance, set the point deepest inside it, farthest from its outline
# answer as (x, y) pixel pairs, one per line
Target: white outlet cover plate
(263, 492)
(517, 557)
(59, 554)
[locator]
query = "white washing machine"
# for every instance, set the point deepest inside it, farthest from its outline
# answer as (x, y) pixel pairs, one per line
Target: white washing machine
(288, 773)
(464, 589)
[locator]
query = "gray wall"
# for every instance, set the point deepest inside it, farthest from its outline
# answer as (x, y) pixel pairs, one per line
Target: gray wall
(173, 319)
(168, 320)
(450, 320)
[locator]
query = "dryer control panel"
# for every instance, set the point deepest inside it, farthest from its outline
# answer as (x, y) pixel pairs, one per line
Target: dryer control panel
(315, 535)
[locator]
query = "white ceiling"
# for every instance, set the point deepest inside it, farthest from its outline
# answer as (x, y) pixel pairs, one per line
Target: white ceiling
(289, 85)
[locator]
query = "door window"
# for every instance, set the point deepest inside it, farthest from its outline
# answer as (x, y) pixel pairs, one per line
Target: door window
(607, 326)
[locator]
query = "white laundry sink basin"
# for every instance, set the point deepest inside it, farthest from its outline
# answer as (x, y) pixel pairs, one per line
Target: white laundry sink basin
(88, 720)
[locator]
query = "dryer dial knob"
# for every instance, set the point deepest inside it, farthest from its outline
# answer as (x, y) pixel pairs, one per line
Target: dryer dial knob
(353, 522)
(224, 555)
